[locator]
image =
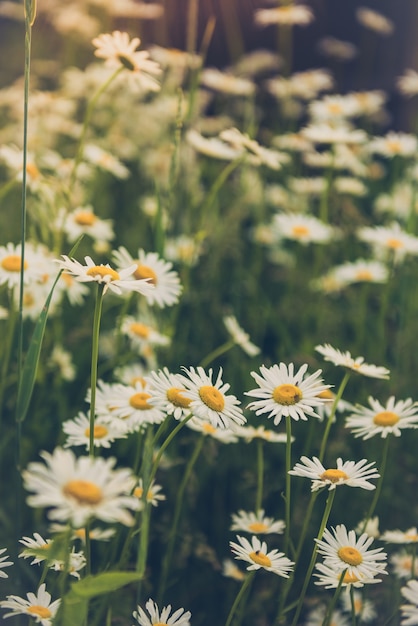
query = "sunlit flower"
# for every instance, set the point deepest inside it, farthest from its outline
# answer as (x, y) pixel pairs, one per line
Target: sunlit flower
(302, 228)
(383, 420)
(399, 536)
(374, 21)
(284, 393)
(148, 265)
(256, 523)
(157, 618)
(255, 553)
(239, 336)
(343, 551)
(404, 565)
(80, 489)
(168, 393)
(38, 606)
(116, 281)
(133, 405)
(333, 107)
(344, 359)
(212, 146)
(78, 432)
(408, 83)
(119, 52)
(289, 15)
(231, 570)
(224, 435)
(410, 611)
(389, 241)
(209, 400)
(4, 563)
(154, 495)
(346, 473)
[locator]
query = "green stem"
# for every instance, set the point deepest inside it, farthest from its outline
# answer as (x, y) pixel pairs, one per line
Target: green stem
(378, 489)
(328, 506)
(332, 414)
(260, 475)
(164, 446)
(216, 353)
(176, 518)
(353, 606)
(245, 585)
(87, 549)
(331, 607)
(94, 362)
(288, 483)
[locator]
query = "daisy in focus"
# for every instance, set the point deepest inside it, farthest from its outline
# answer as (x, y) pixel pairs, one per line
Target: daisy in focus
(343, 551)
(38, 606)
(344, 359)
(285, 393)
(4, 563)
(256, 523)
(133, 405)
(410, 611)
(79, 489)
(120, 52)
(156, 617)
(149, 266)
(78, 432)
(255, 553)
(168, 394)
(38, 548)
(115, 281)
(209, 400)
(383, 420)
(346, 473)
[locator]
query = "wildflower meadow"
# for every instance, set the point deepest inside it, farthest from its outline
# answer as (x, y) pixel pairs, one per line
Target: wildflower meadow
(208, 313)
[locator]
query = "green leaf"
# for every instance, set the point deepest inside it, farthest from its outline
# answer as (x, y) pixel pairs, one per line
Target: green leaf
(72, 611)
(107, 582)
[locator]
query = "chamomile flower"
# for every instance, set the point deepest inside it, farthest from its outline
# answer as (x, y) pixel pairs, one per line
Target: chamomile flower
(389, 241)
(154, 495)
(83, 221)
(343, 551)
(302, 228)
(256, 523)
(404, 565)
(249, 433)
(34, 266)
(344, 359)
(168, 394)
(120, 52)
(399, 536)
(231, 570)
(361, 271)
(78, 432)
(284, 393)
(346, 473)
(142, 334)
(363, 609)
(156, 617)
(148, 265)
(408, 83)
(410, 611)
(209, 399)
(394, 144)
(226, 82)
(383, 420)
(239, 336)
(33, 547)
(80, 489)
(133, 405)
(115, 281)
(289, 15)
(329, 577)
(95, 534)
(38, 606)
(224, 435)
(4, 563)
(105, 161)
(255, 553)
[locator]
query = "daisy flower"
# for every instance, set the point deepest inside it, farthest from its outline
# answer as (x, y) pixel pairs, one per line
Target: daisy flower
(224, 82)
(410, 611)
(133, 404)
(209, 400)
(302, 228)
(394, 144)
(153, 494)
(157, 618)
(284, 393)
(256, 523)
(255, 553)
(383, 420)
(38, 606)
(106, 161)
(389, 240)
(78, 432)
(231, 570)
(80, 489)
(363, 609)
(404, 565)
(239, 336)
(369, 526)
(95, 534)
(342, 550)
(329, 577)
(35, 265)
(399, 536)
(33, 547)
(116, 281)
(168, 394)
(224, 435)
(249, 433)
(120, 52)
(361, 271)
(4, 563)
(148, 265)
(408, 83)
(142, 334)
(346, 473)
(290, 15)
(374, 21)
(344, 359)
(83, 221)
(327, 133)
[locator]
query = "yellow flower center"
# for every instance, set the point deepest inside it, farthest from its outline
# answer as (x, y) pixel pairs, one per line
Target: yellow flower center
(42, 611)
(126, 62)
(208, 428)
(85, 218)
(350, 578)
(334, 475)
(335, 108)
(99, 431)
(80, 533)
(139, 401)
(102, 270)
(144, 271)
(350, 555)
(258, 527)
(394, 243)
(32, 170)
(138, 379)
(300, 230)
(67, 278)
(161, 624)
(13, 263)
(212, 397)
(84, 491)
(326, 395)
(386, 418)
(260, 558)
(174, 396)
(394, 146)
(139, 329)
(411, 537)
(138, 491)
(287, 394)
(28, 299)
(364, 275)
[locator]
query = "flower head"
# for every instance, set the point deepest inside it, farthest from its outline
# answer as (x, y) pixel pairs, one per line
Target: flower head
(239, 336)
(285, 393)
(156, 617)
(4, 563)
(346, 473)
(344, 359)
(256, 523)
(38, 606)
(255, 553)
(410, 611)
(381, 419)
(78, 432)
